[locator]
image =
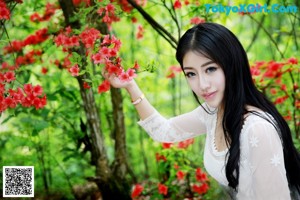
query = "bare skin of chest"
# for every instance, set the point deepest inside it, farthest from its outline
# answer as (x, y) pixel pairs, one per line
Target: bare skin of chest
(220, 139)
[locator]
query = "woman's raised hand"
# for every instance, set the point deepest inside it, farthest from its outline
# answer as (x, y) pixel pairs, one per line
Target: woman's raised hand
(118, 81)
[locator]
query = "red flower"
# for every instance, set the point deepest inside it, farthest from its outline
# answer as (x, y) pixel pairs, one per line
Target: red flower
(104, 86)
(166, 145)
(160, 157)
(255, 71)
(173, 70)
(136, 65)
(117, 43)
(162, 189)
(172, 75)
(280, 100)
(180, 175)
(133, 19)
(201, 176)
(297, 104)
(177, 4)
(74, 70)
(37, 90)
(293, 61)
(197, 20)
(176, 166)
(4, 11)
(86, 85)
(140, 32)
(97, 58)
(287, 117)
(185, 144)
(9, 76)
(137, 190)
(28, 89)
(10, 102)
(35, 17)
(44, 70)
(124, 77)
(131, 73)
(200, 189)
(2, 89)
(283, 87)
(273, 91)
(106, 40)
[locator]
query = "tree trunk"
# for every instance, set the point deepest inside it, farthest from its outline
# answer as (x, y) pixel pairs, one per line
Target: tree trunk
(110, 180)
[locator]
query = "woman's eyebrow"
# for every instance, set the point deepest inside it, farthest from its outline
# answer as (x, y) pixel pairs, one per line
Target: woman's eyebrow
(207, 63)
(203, 65)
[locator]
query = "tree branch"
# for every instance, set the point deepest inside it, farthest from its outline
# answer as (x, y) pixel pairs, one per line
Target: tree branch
(269, 35)
(161, 31)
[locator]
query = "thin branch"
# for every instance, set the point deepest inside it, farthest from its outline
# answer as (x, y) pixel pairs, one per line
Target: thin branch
(258, 29)
(163, 32)
(173, 15)
(256, 33)
(269, 35)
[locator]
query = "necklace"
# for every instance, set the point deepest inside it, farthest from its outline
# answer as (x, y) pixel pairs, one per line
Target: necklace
(211, 112)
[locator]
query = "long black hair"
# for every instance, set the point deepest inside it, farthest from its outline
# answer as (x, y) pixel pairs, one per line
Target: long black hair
(219, 44)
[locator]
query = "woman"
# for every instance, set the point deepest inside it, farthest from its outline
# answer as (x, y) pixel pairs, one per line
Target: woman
(248, 143)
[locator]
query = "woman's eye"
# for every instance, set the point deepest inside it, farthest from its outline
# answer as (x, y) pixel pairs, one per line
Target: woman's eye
(190, 74)
(210, 69)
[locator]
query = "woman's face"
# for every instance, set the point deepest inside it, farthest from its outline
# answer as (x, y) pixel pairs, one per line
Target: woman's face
(205, 78)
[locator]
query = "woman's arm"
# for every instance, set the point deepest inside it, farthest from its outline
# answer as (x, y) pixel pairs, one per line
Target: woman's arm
(159, 128)
(144, 108)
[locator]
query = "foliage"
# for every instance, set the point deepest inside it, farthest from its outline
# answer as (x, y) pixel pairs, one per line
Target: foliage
(179, 178)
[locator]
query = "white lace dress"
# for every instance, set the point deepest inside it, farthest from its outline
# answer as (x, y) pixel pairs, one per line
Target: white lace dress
(262, 170)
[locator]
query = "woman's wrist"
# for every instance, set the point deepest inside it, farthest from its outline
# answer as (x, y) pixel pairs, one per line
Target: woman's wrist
(131, 87)
(134, 91)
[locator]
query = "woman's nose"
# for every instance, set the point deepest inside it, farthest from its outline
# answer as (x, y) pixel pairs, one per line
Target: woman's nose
(204, 83)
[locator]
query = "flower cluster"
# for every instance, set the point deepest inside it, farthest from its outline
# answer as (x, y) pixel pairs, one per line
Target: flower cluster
(178, 3)
(178, 180)
(277, 79)
(68, 40)
(26, 96)
(49, 12)
(108, 14)
(269, 75)
(82, 2)
(140, 32)
(17, 45)
(197, 20)
(107, 48)
(4, 11)
(108, 55)
(173, 70)
(13, 93)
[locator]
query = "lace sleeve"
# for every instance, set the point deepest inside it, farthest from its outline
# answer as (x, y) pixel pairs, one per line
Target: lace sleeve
(176, 129)
(266, 160)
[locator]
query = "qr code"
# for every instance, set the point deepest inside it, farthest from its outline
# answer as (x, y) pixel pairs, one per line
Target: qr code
(18, 181)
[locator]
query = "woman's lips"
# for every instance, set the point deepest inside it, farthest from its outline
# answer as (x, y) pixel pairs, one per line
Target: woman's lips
(208, 96)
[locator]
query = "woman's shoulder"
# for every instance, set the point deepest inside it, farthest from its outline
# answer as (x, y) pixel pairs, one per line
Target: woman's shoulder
(256, 118)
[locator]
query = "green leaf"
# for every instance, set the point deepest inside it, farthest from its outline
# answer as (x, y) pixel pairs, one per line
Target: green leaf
(82, 72)
(87, 80)
(7, 118)
(40, 125)
(35, 132)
